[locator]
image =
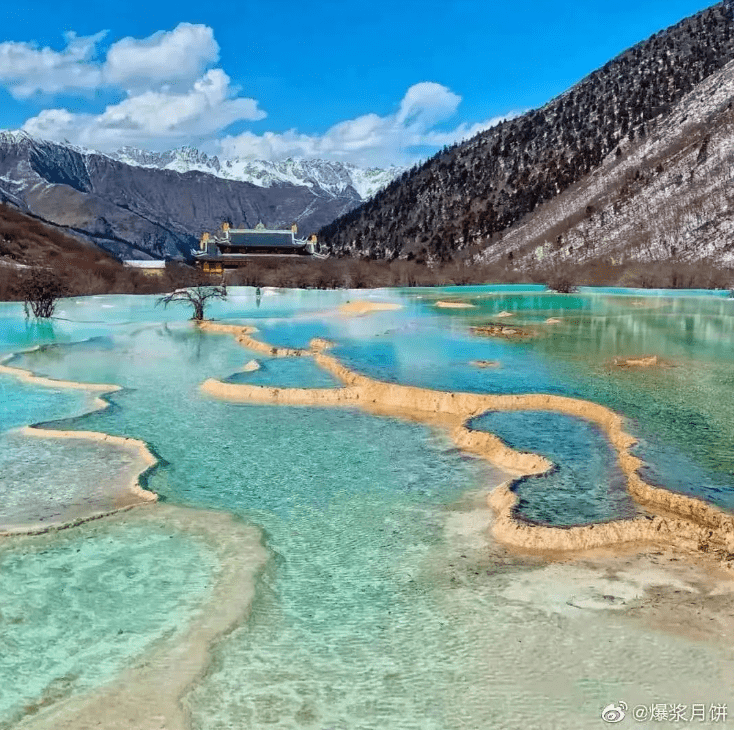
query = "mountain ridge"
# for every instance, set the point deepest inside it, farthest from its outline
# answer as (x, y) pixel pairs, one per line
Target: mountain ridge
(331, 176)
(144, 211)
(462, 202)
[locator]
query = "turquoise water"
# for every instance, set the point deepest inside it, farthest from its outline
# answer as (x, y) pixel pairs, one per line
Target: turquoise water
(22, 403)
(51, 481)
(75, 610)
(282, 372)
(366, 616)
(686, 406)
(586, 484)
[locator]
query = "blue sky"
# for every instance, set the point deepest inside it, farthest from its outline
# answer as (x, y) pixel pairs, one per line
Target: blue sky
(373, 83)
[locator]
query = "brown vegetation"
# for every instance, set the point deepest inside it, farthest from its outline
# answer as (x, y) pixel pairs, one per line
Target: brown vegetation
(77, 268)
(27, 245)
(84, 269)
(636, 274)
(40, 289)
(561, 282)
(348, 273)
(195, 296)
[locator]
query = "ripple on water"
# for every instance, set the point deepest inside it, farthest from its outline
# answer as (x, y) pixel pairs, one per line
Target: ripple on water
(23, 403)
(349, 628)
(77, 606)
(587, 485)
(48, 481)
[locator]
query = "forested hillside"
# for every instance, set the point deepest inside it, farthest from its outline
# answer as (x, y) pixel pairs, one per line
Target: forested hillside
(458, 203)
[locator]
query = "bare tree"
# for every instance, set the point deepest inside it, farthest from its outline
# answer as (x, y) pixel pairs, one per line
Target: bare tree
(196, 296)
(560, 281)
(40, 288)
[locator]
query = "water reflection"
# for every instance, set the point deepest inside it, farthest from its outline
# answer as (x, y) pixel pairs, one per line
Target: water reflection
(348, 615)
(682, 410)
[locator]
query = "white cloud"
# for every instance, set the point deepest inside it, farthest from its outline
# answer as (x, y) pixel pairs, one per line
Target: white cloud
(370, 139)
(169, 95)
(464, 131)
(179, 56)
(26, 69)
(425, 104)
(163, 117)
(163, 58)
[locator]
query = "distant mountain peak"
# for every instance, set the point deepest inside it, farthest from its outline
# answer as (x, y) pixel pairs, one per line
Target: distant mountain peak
(14, 136)
(137, 203)
(332, 177)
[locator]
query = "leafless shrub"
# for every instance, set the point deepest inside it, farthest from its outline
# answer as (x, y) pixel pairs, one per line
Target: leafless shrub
(196, 296)
(40, 288)
(561, 282)
(675, 275)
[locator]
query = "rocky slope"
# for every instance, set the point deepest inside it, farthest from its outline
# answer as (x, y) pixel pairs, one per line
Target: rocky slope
(668, 197)
(27, 242)
(520, 185)
(144, 207)
(334, 178)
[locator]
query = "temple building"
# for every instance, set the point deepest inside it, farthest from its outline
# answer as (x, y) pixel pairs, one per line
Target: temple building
(233, 247)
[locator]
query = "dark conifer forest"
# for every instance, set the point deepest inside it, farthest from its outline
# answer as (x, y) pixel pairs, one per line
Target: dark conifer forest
(458, 201)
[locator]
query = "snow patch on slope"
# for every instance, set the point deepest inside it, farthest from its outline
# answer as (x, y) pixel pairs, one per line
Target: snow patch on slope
(335, 178)
(668, 198)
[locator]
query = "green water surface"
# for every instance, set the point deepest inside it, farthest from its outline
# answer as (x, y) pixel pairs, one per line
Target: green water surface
(366, 615)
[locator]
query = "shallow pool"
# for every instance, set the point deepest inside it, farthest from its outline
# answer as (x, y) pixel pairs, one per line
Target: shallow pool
(370, 613)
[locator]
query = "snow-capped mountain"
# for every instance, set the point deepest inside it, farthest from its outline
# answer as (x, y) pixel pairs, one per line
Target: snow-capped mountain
(138, 204)
(331, 177)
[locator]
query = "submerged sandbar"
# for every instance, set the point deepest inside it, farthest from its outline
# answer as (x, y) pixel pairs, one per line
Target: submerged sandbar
(675, 520)
(133, 493)
(358, 308)
(148, 694)
(441, 304)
